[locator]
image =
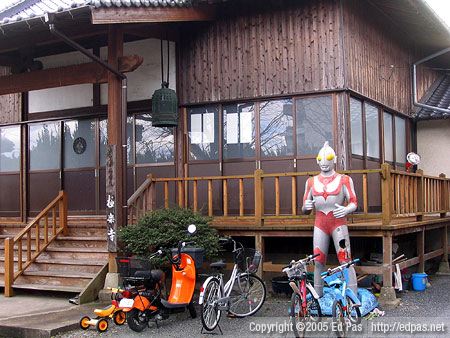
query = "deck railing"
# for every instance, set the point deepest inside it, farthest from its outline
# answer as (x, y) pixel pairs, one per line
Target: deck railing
(382, 194)
(45, 227)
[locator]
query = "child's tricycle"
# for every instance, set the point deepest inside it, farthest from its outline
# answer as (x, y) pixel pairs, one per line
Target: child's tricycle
(101, 322)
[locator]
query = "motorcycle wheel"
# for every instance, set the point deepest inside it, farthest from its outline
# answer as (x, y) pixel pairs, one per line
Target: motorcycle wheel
(137, 321)
(192, 311)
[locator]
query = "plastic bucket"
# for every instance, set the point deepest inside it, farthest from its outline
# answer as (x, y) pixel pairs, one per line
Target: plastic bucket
(419, 281)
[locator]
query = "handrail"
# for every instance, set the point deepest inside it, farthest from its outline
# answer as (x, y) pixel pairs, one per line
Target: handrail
(383, 194)
(58, 209)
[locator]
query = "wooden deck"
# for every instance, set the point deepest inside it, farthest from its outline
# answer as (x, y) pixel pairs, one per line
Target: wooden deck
(263, 205)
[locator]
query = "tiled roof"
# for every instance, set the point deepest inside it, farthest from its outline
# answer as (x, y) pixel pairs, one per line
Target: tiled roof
(27, 9)
(439, 97)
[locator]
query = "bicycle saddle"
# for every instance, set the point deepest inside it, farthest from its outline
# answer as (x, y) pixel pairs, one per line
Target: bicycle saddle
(219, 265)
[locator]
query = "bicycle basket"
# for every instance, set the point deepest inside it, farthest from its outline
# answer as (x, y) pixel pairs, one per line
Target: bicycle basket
(247, 259)
(127, 266)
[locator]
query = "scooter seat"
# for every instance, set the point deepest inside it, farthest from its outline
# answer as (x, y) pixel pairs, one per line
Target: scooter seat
(168, 305)
(218, 265)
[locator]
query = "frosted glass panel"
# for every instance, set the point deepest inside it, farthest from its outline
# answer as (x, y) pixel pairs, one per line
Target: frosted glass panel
(9, 149)
(356, 126)
(79, 144)
(45, 145)
(388, 133)
(372, 132)
(400, 140)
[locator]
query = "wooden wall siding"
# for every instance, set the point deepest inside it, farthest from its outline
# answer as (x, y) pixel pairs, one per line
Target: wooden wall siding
(285, 47)
(371, 49)
(10, 105)
(425, 79)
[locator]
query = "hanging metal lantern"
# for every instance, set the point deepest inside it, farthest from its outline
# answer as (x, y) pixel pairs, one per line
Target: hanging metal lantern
(164, 100)
(164, 107)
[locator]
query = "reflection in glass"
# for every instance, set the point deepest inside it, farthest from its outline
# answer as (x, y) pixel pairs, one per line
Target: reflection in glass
(103, 141)
(356, 126)
(79, 144)
(130, 142)
(239, 130)
(372, 133)
(388, 147)
(203, 133)
(9, 149)
(400, 140)
(44, 143)
(153, 144)
(314, 124)
(277, 128)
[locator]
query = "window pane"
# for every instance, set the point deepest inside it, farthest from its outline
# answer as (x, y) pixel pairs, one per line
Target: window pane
(153, 144)
(372, 132)
(130, 142)
(204, 133)
(388, 148)
(239, 130)
(400, 140)
(44, 143)
(314, 124)
(79, 144)
(277, 128)
(356, 126)
(103, 141)
(9, 149)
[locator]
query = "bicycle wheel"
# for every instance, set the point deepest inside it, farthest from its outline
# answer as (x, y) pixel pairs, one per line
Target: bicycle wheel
(338, 318)
(247, 296)
(210, 312)
(296, 313)
(353, 312)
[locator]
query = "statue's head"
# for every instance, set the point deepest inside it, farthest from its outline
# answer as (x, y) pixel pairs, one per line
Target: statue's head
(326, 158)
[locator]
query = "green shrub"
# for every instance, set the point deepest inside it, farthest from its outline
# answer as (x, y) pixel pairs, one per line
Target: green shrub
(164, 228)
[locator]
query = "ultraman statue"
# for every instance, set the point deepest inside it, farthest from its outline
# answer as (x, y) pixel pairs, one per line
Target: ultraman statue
(327, 193)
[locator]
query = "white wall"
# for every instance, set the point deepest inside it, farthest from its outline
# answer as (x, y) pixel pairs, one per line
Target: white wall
(61, 97)
(147, 78)
(433, 145)
(141, 83)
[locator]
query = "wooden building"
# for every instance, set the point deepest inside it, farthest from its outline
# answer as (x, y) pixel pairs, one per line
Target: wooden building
(261, 85)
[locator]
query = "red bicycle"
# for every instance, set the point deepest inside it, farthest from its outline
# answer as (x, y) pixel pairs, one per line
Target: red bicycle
(304, 300)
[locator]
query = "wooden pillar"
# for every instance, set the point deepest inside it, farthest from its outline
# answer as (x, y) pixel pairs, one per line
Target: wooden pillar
(387, 259)
(421, 250)
(9, 266)
(420, 196)
(386, 194)
(259, 197)
(259, 245)
(115, 177)
(444, 266)
(444, 196)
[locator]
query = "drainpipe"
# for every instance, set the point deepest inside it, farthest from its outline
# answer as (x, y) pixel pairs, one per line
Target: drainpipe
(49, 18)
(415, 100)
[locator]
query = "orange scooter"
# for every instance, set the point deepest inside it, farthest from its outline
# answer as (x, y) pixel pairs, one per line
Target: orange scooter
(145, 302)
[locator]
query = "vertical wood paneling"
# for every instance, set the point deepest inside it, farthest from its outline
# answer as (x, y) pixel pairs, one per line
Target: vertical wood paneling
(270, 49)
(10, 105)
(378, 60)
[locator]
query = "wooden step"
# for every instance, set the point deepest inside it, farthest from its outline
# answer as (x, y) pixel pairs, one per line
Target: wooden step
(70, 265)
(44, 287)
(59, 278)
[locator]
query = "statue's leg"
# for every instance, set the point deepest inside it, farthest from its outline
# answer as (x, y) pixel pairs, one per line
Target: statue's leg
(321, 242)
(341, 241)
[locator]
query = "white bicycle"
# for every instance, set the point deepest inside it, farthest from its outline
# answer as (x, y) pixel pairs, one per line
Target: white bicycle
(241, 296)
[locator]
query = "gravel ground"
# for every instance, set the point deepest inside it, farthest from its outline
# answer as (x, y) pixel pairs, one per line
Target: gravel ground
(433, 303)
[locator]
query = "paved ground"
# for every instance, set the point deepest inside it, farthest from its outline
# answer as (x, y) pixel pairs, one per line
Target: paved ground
(434, 303)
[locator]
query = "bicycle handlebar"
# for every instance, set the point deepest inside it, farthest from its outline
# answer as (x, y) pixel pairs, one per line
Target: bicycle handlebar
(339, 268)
(301, 261)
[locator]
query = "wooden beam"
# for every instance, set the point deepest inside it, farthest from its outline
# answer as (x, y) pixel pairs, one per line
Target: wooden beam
(64, 76)
(114, 15)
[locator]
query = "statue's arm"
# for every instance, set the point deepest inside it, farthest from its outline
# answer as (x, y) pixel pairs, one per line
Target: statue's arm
(308, 202)
(350, 195)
